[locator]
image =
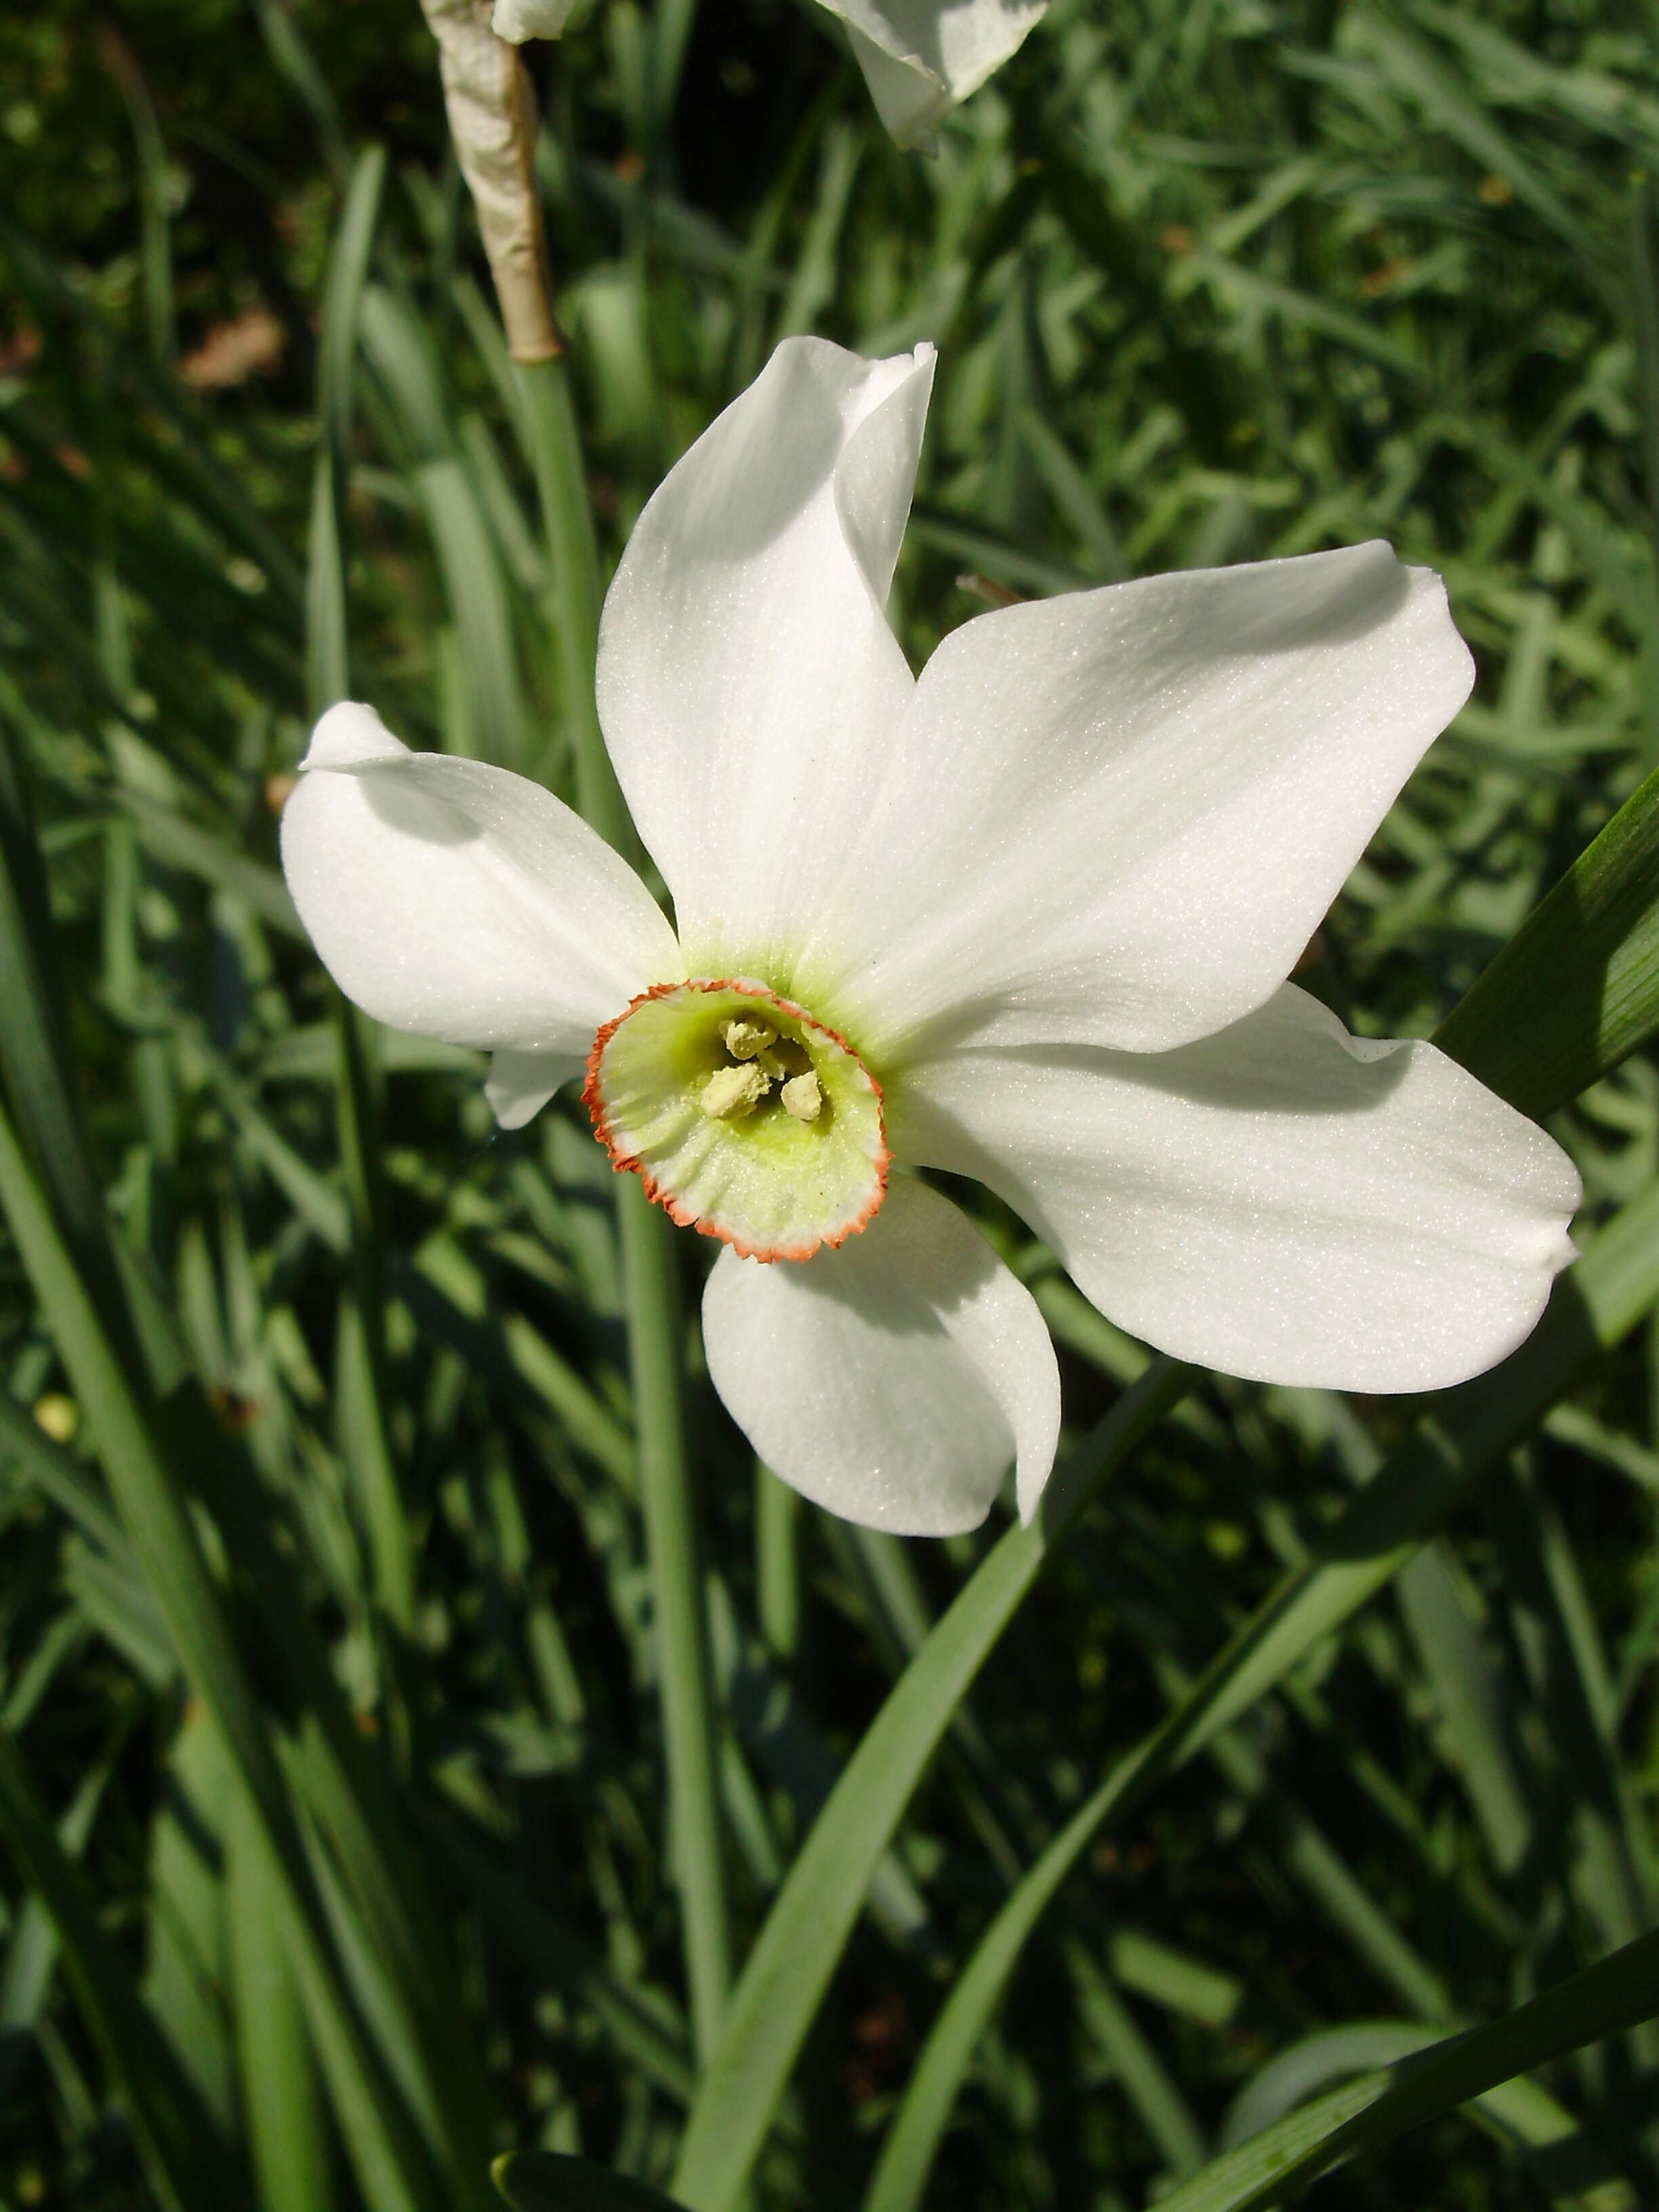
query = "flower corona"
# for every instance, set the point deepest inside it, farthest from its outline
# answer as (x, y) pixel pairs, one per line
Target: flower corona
(743, 1116)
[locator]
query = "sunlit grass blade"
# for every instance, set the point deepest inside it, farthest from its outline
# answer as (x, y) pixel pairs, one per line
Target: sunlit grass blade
(1575, 990)
(801, 1940)
(288, 2132)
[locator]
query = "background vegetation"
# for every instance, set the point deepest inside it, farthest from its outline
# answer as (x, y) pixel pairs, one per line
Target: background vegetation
(332, 1773)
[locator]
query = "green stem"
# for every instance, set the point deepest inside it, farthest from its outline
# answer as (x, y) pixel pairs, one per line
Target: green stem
(777, 1563)
(690, 1732)
(672, 1544)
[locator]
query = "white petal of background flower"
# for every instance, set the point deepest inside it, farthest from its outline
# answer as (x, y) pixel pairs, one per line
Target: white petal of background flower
(921, 58)
(1281, 1201)
(516, 21)
(453, 899)
(895, 1380)
(1118, 816)
(749, 685)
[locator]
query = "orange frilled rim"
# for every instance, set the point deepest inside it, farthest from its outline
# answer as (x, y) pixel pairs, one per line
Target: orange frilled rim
(627, 1163)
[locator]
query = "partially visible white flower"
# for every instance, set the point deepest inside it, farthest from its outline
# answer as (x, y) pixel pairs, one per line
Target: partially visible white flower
(519, 19)
(1025, 920)
(920, 57)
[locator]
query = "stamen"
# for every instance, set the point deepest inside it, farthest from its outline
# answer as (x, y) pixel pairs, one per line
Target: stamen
(747, 1035)
(802, 1097)
(731, 1092)
(784, 1059)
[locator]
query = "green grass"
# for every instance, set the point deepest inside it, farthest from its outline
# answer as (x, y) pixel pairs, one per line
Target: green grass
(333, 1773)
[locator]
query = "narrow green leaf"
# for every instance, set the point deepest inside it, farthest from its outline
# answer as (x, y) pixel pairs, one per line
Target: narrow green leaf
(673, 1553)
(347, 274)
(805, 1932)
(1576, 989)
(184, 844)
(34, 1051)
(1364, 2114)
(1141, 2073)
(1414, 70)
(280, 2089)
(30, 1452)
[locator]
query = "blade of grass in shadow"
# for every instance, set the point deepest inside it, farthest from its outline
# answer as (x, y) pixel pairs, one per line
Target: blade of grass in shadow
(549, 2181)
(1616, 1993)
(1575, 990)
(36, 1056)
(188, 2161)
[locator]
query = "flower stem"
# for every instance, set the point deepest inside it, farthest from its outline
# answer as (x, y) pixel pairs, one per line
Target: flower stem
(777, 1563)
(674, 1552)
(650, 1285)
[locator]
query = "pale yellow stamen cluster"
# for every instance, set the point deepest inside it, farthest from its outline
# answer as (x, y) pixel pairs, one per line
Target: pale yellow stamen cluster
(760, 1061)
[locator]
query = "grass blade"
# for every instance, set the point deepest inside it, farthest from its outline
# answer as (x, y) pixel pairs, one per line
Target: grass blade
(1575, 990)
(805, 1932)
(188, 2159)
(1618, 1992)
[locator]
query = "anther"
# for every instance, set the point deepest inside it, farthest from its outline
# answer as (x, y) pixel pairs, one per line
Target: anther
(802, 1097)
(731, 1092)
(746, 1035)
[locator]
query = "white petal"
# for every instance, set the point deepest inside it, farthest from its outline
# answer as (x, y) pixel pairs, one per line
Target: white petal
(519, 19)
(521, 1082)
(921, 58)
(893, 1380)
(747, 682)
(1282, 1201)
(452, 899)
(1117, 817)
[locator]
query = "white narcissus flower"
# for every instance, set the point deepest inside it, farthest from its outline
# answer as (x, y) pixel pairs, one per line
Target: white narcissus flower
(920, 59)
(1026, 919)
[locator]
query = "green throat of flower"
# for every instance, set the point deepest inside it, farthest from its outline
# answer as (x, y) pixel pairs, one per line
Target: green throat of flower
(746, 1118)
